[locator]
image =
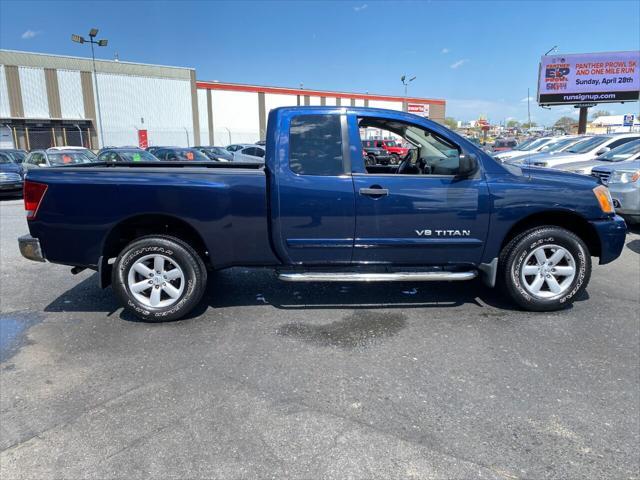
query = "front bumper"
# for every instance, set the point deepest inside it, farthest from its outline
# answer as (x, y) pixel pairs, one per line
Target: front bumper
(612, 235)
(626, 198)
(30, 248)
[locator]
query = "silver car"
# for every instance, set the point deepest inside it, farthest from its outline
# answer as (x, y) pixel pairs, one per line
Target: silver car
(623, 153)
(623, 180)
(250, 153)
(524, 148)
(561, 145)
(582, 151)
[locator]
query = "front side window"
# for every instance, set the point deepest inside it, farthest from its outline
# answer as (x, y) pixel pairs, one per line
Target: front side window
(430, 154)
(315, 145)
(107, 157)
(36, 158)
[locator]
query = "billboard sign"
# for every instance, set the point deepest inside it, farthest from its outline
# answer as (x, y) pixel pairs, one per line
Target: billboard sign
(421, 109)
(628, 120)
(589, 78)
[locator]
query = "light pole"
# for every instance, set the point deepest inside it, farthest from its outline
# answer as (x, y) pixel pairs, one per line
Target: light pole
(406, 83)
(93, 33)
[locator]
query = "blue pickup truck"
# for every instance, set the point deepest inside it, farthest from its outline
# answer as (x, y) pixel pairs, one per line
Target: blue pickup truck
(317, 212)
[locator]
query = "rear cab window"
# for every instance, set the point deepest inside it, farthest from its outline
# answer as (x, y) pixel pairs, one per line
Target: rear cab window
(315, 145)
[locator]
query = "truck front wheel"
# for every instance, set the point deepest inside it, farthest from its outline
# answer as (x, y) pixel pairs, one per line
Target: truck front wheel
(545, 268)
(159, 278)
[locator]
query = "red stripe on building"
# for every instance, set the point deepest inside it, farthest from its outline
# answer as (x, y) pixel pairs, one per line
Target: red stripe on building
(314, 93)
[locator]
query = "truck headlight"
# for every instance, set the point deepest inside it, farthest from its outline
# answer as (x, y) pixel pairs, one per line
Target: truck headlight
(625, 177)
(604, 198)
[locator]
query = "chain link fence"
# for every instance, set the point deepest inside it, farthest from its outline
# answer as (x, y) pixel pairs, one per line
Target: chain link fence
(43, 137)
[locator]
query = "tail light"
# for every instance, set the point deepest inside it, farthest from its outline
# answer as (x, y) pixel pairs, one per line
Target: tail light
(33, 195)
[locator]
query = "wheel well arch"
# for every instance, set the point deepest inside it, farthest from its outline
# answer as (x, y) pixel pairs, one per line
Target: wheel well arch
(569, 220)
(149, 224)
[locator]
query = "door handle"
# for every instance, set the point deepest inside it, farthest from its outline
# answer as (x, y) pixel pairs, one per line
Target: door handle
(374, 191)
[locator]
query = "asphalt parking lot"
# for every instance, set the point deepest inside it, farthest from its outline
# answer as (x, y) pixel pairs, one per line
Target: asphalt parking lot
(274, 380)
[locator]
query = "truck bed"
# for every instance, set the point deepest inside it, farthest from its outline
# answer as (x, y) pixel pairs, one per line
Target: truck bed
(225, 204)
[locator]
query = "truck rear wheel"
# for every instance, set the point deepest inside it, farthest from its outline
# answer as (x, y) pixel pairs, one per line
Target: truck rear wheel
(545, 268)
(159, 278)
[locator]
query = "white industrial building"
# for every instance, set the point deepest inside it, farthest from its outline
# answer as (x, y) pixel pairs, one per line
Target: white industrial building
(51, 100)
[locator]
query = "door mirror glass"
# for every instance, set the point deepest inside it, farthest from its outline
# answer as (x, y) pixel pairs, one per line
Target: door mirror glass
(468, 164)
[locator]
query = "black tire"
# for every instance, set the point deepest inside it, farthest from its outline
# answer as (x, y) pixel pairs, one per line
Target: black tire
(395, 159)
(180, 253)
(519, 250)
(371, 160)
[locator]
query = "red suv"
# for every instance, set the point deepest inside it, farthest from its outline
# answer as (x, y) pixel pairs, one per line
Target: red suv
(395, 150)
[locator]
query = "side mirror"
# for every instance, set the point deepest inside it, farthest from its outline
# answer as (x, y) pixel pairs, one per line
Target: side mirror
(602, 151)
(468, 165)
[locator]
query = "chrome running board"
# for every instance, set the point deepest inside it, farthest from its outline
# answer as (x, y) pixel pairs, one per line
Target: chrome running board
(377, 277)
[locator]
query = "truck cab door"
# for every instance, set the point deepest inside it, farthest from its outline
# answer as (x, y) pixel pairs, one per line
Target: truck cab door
(425, 211)
(311, 189)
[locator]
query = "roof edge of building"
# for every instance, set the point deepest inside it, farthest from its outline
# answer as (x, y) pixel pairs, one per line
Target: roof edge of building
(241, 87)
(68, 62)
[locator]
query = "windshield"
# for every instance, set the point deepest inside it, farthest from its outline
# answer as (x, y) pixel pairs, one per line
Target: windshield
(621, 153)
(538, 142)
(559, 145)
(587, 145)
(525, 145)
(17, 157)
(188, 154)
(69, 158)
(136, 156)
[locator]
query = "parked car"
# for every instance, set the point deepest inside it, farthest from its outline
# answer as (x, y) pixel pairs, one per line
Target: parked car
(179, 154)
(623, 180)
(252, 153)
(623, 153)
(525, 149)
(125, 154)
(375, 155)
(394, 149)
(10, 175)
(234, 147)
(17, 155)
(583, 151)
(53, 157)
(218, 154)
(317, 214)
(504, 144)
(550, 149)
(261, 143)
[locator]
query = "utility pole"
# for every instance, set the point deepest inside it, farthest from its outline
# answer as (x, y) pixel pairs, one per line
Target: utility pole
(93, 33)
(406, 83)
